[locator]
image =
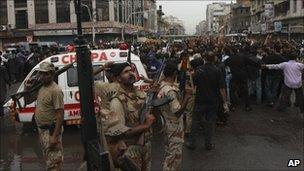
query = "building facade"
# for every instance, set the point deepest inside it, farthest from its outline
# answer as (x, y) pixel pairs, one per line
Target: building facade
(213, 15)
(174, 26)
(202, 28)
(240, 17)
(55, 20)
(282, 16)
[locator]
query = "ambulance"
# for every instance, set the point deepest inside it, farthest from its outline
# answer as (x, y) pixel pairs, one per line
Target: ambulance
(68, 82)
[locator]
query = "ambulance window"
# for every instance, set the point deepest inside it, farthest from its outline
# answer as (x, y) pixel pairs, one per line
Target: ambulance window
(99, 76)
(34, 76)
(73, 78)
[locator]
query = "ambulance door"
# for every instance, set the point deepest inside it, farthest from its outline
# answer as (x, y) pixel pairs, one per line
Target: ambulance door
(71, 105)
(72, 98)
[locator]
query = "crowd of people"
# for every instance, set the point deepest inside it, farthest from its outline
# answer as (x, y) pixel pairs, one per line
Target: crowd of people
(203, 77)
(19, 61)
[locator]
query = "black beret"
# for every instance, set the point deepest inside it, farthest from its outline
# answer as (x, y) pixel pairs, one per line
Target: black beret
(117, 68)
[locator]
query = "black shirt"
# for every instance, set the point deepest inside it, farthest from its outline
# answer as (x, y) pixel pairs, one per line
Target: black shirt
(238, 66)
(208, 80)
(273, 58)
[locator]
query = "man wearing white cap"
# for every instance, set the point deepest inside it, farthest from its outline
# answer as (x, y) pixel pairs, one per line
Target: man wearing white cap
(49, 117)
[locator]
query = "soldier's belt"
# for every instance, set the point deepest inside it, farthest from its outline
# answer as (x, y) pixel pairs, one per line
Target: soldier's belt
(50, 127)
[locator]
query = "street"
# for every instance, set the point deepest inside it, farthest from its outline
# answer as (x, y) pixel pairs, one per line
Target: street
(262, 139)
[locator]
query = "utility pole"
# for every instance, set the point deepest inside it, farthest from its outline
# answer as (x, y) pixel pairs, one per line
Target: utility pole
(95, 155)
(124, 24)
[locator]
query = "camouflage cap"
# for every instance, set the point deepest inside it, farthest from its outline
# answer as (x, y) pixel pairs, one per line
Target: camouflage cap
(112, 125)
(46, 67)
(116, 130)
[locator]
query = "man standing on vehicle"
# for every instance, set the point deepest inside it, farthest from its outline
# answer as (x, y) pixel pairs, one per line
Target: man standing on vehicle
(49, 117)
(127, 104)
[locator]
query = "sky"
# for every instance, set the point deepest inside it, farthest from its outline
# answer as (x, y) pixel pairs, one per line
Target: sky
(191, 12)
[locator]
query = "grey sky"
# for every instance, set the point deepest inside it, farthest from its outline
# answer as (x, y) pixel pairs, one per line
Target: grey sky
(191, 12)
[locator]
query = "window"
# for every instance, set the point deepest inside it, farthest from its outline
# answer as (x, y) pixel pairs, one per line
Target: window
(3, 13)
(73, 77)
(102, 10)
(20, 3)
(21, 19)
(41, 11)
(63, 11)
(21, 14)
(294, 6)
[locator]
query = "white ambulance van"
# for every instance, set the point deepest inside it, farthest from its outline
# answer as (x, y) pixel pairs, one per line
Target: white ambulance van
(68, 81)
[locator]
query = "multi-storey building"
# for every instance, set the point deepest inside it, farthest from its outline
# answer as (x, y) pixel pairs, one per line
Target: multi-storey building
(55, 20)
(201, 28)
(240, 16)
(288, 16)
(174, 26)
(213, 15)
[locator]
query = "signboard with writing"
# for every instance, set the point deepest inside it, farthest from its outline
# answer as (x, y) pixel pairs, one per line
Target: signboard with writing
(264, 28)
(269, 10)
(277, 26)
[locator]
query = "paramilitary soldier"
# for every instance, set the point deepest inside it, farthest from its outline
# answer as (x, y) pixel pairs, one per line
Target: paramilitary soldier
(104, 93)
(173, 115)
(114, 132)
(49, 117)
(127, 104)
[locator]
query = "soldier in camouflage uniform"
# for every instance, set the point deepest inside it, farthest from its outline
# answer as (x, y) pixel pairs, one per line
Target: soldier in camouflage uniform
(173, 115)
(127, 103)
(188, 114)
(104, 92)
(190, 106)
(49, 117)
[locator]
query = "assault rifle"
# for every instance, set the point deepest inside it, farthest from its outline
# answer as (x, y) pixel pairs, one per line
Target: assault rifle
(29, 95)
(152, 102)
(96, 153)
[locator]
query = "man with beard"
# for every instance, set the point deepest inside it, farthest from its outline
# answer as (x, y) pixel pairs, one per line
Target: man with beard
(49, 117)
(127, 104)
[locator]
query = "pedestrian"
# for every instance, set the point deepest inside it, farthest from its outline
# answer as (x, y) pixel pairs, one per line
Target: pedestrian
(272, 77)
(254, 76)
(292, 71)
(3, 59)
(49, 115)
(21, 60)
(174, 119)
(238, 63)
(228, 76)
(11, 65)
(4, 81)
(210, 90)
(127, 104)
